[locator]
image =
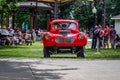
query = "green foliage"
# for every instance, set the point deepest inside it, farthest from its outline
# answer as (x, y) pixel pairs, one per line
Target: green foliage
(22, 17)
(82, 11)
(42, 21)
(8, 6)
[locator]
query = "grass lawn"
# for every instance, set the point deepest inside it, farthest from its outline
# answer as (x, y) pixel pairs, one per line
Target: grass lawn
(35, 51)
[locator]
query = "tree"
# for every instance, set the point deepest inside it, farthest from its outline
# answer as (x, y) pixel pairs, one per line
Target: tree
(7, 7)
(81, 10)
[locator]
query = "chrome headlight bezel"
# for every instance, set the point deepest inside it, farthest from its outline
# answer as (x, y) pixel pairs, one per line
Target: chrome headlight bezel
(47, 36)
(81, 36)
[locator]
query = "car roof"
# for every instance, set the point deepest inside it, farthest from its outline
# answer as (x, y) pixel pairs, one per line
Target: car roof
(62, 20)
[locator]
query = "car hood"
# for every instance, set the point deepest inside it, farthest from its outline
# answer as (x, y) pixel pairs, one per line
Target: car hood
(64, 32)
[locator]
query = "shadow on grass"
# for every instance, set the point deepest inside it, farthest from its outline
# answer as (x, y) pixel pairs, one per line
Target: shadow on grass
(15, 47)
(12, 47)
(33, 46)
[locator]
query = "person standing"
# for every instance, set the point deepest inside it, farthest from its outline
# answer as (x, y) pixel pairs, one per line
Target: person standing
(101, 36)
(106, 36)
(94, 38)
(33, 35)
(117, 41)
(112, 36)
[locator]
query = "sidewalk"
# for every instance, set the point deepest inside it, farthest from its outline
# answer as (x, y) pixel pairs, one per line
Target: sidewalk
(15, 70)
(59, 69)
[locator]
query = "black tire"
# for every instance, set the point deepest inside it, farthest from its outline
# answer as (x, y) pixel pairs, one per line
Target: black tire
(46, 52)
(81, 52)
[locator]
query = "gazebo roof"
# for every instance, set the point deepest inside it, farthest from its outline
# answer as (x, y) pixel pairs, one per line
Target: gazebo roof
(116, 17)
(33, 5)
(52, 1)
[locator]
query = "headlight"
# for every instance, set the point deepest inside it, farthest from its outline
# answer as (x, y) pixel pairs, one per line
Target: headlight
(81, 36)
(47, 36)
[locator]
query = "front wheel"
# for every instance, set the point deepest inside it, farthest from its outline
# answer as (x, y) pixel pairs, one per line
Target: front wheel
(46, 52)
(81, 52)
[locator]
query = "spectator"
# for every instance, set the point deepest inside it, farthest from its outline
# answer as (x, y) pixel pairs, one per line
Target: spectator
(21, 40)
(106, 36)
(5, 36)
(117, 42)
(38, 34)
(11, 31)
(88, 32)
(100, 35)
(33, 35)
(112, 36)
(94, 38)
(28, 38)
(15, 40)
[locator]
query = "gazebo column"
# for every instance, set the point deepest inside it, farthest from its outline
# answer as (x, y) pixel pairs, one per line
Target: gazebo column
(34, 21)
(48, 20)
(56, 9)
(7, 21)
(13, 19)
(31, 21)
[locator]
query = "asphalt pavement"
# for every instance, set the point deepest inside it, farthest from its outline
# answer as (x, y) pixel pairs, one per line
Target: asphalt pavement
(59, 69)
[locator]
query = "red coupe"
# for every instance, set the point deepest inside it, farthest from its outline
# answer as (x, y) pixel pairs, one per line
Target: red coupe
(64, 36)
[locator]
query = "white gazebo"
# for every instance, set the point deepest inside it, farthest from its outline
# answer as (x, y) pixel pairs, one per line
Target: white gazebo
(117, 23)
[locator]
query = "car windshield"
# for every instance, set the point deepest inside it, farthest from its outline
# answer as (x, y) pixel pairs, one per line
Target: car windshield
(64, 25)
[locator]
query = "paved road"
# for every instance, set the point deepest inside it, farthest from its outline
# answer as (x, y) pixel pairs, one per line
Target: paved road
(55, 69)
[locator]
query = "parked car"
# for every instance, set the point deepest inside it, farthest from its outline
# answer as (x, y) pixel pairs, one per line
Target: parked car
(4, 32)
(4, 36)
(64, 36)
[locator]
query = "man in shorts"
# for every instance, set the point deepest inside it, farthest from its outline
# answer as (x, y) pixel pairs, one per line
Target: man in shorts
(106, 36)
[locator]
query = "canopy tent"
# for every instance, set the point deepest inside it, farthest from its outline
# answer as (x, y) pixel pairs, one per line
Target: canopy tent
(56, 4)
(52, 1)
(33, 5)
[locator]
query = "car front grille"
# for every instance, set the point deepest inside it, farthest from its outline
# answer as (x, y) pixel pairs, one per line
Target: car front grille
(64, 40)
(59, 40)
(69, 40)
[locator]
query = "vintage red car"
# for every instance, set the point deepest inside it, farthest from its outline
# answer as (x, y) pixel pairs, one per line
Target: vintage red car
(64, 36)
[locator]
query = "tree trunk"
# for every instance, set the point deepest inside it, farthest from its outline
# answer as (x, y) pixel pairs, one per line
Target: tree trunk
(7, 21)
